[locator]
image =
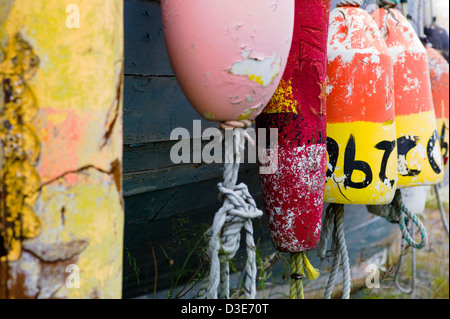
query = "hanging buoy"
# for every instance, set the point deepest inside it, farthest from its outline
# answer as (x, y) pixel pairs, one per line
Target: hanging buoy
(293, 194)
(439, 78)
(361, 146)
(228, 56)
(419, 157)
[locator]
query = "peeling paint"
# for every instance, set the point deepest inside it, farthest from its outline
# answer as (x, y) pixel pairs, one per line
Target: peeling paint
(243, 53)
(362, 161)
(257, 69)
(419, 161)
(20, 146)
(293, 193)
(60, 164)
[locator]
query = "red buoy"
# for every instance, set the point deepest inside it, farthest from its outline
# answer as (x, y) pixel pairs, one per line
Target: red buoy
(293, 195)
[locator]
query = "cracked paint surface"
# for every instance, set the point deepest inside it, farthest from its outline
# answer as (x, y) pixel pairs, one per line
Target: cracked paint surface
(229, 70)
(360, 111)
(293, 195)
(20, 148)
(414, 110)
(261, 71)
(72, 104)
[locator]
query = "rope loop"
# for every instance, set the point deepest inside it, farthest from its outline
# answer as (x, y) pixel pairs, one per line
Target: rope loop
(407, 214)
(398, 213)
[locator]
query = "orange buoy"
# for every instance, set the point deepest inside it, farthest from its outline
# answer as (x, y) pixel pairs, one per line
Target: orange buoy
(361, 146)
(439, 78)
(419, 156)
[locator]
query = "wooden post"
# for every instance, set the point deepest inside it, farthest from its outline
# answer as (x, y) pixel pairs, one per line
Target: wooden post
(61, 207)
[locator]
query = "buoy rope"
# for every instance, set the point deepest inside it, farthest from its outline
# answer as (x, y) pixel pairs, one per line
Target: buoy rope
(398, 213)
(349, 3)
(413, 261)
(335, 216)
(300, 267)
(237, 211)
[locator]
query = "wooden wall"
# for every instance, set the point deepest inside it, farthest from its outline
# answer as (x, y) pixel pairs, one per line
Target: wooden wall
(167, 206)
(162, 200)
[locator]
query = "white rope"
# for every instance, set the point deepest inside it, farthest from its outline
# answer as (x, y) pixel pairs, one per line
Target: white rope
(351, 3)
(335, 213)
(237, 211)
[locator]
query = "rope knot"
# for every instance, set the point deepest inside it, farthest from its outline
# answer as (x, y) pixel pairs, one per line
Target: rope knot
(237, 211)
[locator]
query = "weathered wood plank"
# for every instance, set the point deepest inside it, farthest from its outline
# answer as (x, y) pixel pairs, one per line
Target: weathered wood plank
(177, 235)
(147, 156)
(145, 207)
(365, 234)
(148, 167)
(153, 107)
(145, 51)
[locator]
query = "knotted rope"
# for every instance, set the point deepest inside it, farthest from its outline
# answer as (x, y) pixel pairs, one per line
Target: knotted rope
(335, 215)
(351, 3)
(224, 235)
(299, 265)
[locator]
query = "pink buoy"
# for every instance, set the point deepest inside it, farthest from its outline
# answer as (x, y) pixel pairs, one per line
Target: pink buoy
(228, 56)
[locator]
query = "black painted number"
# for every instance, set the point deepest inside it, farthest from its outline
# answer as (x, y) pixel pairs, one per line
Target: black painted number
(350, 165)
(387, 147)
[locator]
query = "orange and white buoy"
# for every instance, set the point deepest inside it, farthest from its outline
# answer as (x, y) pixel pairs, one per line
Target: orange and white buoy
(419, 155)
(361, 146)
(439, 77)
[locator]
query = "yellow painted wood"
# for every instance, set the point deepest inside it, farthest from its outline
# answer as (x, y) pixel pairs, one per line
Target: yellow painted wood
(61, 207)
